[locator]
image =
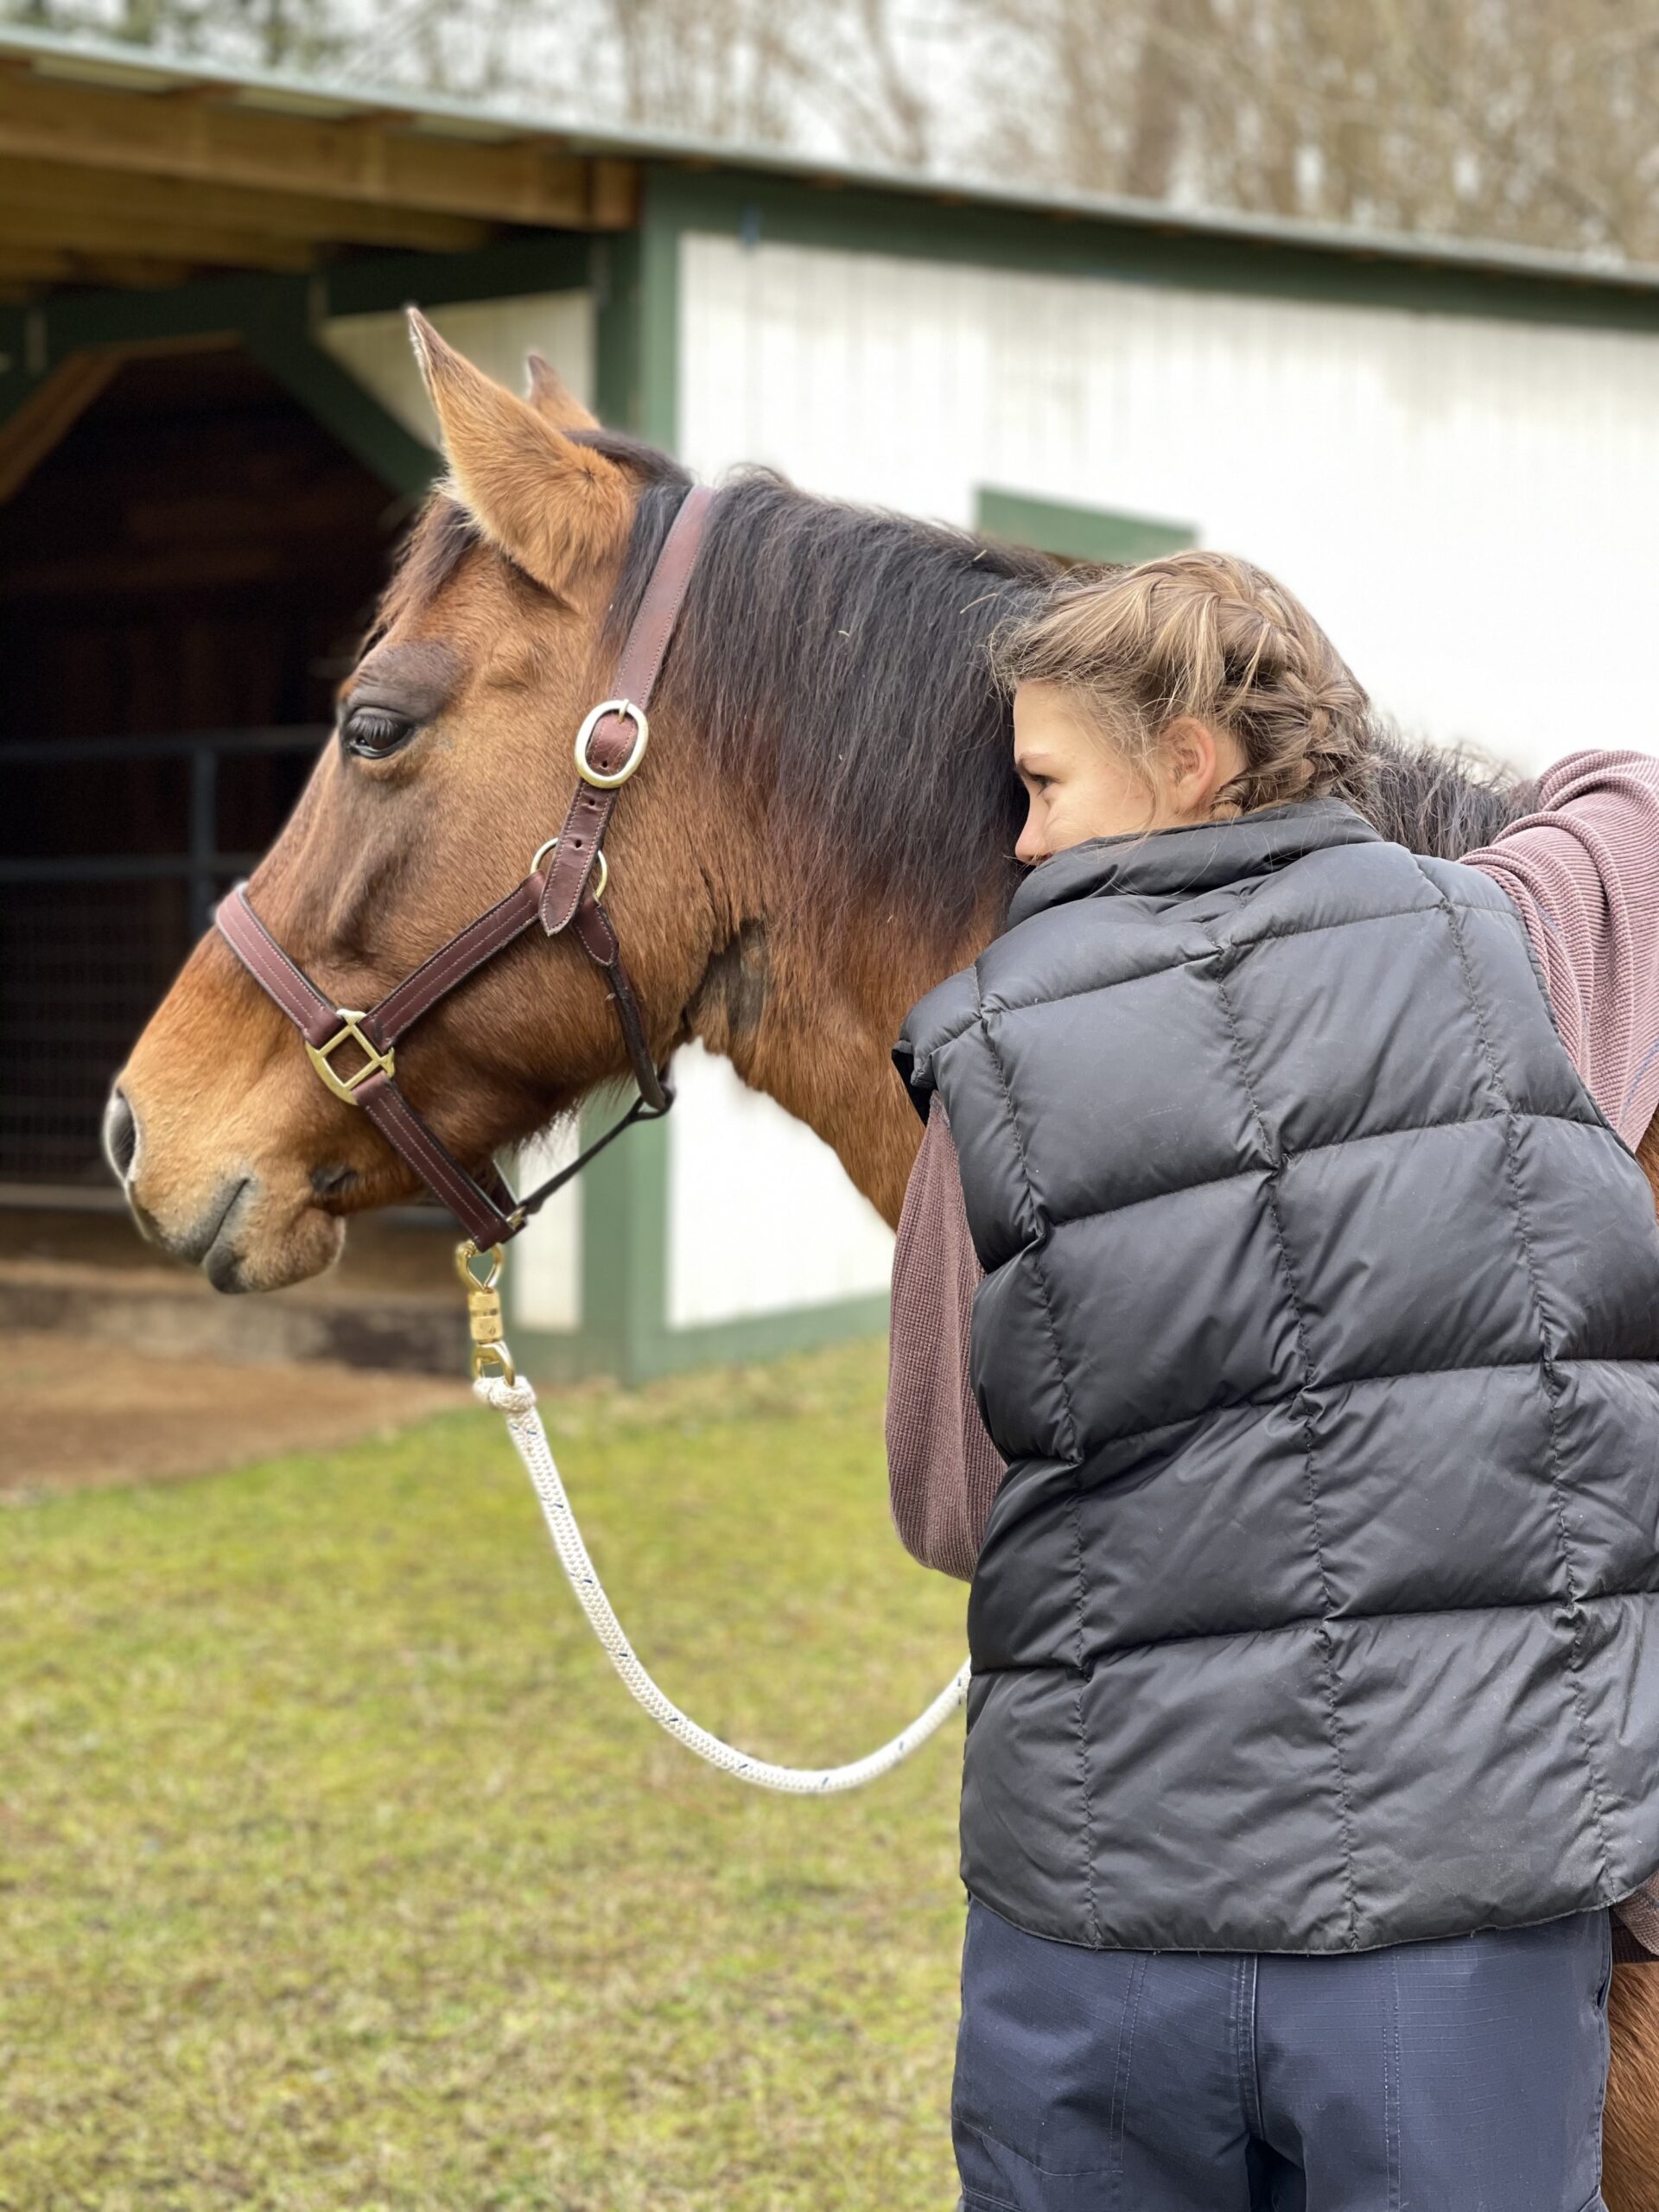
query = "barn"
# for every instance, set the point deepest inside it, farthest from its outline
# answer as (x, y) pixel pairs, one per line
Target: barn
(211, 436)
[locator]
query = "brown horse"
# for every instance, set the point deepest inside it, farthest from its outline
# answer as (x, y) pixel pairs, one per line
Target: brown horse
(825, 828)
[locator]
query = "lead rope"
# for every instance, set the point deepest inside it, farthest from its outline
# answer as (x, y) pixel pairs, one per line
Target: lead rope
(509, 1395)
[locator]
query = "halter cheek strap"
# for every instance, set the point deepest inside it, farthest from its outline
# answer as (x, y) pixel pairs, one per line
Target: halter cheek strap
(353, 1051)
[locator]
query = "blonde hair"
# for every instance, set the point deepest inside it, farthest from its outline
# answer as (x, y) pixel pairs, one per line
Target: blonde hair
(1208, 635)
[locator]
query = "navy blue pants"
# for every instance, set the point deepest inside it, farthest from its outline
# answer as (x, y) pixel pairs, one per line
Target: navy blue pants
(1459, 2076)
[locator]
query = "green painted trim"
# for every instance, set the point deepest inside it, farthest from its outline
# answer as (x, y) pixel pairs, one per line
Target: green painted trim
(659, 311)
(551, 1358)
(625, 1194)
(613, 278)
(625, 1242)
(551, 261)
(635, 278)
(1062, 242)
(1077, 533)
(274, 315)
(281, 342)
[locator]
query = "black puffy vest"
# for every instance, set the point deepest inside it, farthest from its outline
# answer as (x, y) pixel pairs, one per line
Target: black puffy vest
(1320, 1332)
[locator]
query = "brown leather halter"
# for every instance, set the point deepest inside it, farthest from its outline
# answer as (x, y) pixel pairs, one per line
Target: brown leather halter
(559, 893)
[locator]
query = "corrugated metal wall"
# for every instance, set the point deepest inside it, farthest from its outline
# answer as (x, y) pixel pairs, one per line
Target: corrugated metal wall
(1465, 504)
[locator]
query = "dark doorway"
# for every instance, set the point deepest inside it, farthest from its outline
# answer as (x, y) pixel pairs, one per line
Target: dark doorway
(196, 560)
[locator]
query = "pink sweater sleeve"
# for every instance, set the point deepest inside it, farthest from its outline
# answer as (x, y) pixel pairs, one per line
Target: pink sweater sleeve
(1583, 868)
(942, 1470)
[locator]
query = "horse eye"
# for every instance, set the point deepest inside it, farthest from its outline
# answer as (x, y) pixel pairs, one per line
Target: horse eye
(373, 732)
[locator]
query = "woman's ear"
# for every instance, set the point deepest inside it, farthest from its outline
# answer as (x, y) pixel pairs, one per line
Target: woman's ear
(1198, 764)
(555, 507)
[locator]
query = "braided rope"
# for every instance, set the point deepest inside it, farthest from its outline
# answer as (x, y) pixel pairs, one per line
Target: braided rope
(517, 1401)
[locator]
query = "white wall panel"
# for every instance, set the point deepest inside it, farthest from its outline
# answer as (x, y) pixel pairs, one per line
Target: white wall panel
(761, 1217)
(1462, 503)
(496, 334)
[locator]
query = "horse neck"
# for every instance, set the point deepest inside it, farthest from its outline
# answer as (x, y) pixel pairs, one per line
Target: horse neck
(806, 1008)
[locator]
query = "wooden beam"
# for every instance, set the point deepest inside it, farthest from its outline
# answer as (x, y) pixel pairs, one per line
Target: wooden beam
(24, 269)
(50, 191)
(369, 163)
(48, 415)
(101, 231)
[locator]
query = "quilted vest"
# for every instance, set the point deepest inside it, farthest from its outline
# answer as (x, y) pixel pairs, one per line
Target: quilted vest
(1320, 1606)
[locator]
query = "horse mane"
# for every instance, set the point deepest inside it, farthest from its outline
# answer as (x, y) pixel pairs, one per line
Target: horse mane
(1443, 801)
(836, 658)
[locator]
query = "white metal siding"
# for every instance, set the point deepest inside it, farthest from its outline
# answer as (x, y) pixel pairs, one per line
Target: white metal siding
(1462, 503)
(761, 1216)
(494, 334)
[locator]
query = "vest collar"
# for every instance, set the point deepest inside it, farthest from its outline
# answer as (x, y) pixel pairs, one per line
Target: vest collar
(1200, 857)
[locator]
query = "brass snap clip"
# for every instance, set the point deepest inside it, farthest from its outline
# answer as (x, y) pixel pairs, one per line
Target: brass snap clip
(490, 1358)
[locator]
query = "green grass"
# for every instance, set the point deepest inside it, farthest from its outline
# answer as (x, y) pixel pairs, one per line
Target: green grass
(337, 1871)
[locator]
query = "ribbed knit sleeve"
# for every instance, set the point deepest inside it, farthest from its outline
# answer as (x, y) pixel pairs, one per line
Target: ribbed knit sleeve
(942, 1470)
(1582, 868)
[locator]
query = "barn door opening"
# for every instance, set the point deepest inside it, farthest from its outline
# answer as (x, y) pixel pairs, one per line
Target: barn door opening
(183, 581)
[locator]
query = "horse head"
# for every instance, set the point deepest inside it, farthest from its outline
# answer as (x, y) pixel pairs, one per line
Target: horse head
(824, 827)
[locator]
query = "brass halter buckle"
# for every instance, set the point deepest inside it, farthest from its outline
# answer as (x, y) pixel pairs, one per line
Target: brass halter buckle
(375, 1062)
(491, 1357)
(622, 707)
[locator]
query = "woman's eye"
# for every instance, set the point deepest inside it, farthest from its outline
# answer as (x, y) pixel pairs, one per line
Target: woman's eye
(373, 732)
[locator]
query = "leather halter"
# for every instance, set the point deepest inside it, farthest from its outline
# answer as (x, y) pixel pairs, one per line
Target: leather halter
(559, 893)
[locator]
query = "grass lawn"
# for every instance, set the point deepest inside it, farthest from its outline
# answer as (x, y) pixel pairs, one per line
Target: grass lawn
(337, 1871)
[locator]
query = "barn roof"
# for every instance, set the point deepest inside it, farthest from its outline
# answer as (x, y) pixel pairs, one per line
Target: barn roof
(297, 164)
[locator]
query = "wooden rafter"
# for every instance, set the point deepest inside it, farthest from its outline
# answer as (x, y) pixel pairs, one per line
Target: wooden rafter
(25, 269)
(375, 162)
(58, 202)
(97, 234)
(48, 415)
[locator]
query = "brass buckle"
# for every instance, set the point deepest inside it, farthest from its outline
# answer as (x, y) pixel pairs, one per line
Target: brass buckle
(349, 1032)
(642, 734)
(604, 875)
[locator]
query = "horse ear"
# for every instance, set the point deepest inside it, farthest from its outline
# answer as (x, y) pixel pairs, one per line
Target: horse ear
(554, 507)
(552, 398)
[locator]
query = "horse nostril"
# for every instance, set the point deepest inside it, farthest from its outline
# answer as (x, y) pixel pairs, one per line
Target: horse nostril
(120, 1136)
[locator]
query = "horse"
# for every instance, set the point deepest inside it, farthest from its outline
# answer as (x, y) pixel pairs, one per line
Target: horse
(826, 829)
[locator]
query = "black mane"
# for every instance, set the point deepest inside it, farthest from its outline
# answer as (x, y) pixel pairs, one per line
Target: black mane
(1445, 802)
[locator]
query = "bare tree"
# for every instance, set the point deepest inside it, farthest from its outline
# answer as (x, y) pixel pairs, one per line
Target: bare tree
(1524, 120)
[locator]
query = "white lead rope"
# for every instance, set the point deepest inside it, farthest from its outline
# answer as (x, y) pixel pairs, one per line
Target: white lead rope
(517, 1400)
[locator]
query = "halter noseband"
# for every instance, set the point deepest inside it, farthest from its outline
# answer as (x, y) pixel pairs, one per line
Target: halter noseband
(560, 892)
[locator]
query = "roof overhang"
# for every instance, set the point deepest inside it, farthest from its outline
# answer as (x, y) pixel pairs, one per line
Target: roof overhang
(104, 148)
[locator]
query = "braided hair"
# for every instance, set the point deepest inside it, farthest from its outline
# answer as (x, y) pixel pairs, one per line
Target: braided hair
(1209, 636)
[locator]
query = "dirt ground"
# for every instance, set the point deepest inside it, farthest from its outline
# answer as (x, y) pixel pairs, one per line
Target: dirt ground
(74, 1414)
